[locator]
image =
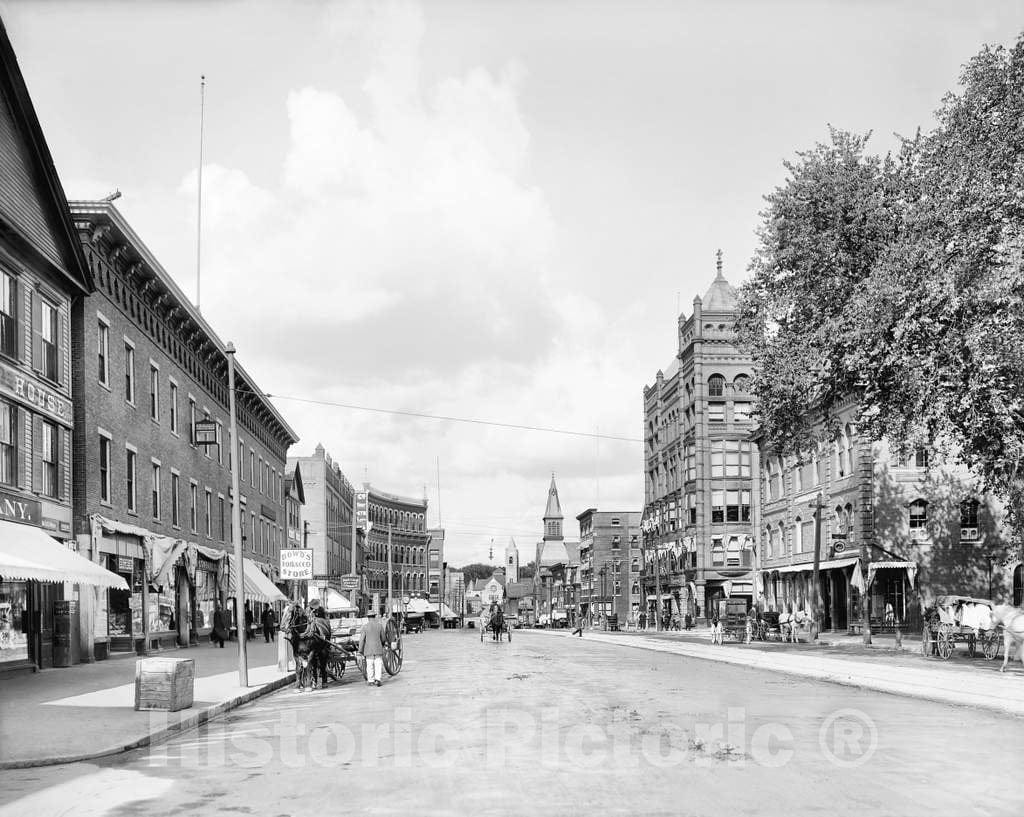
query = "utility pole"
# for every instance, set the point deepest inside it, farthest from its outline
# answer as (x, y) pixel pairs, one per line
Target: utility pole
(353, 593)
(657, 588)
(236, 525)
(815, 576)
(389, 573)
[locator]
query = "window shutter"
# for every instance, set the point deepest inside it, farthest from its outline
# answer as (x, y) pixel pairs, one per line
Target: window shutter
(63, 461)
(60, 348)
(24, 455)
(37, 453)
(37, 338)
(19, 311)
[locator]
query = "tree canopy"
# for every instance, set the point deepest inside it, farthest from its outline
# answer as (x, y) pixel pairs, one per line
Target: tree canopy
(899, 279)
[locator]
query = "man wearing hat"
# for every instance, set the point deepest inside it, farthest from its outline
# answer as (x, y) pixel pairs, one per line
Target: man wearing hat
(371, 645)
(319, 629)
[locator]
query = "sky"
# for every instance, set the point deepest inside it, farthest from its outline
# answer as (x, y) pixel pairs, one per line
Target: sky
(470, 208)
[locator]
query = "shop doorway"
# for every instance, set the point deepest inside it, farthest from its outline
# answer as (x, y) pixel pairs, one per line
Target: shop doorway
(840, 602)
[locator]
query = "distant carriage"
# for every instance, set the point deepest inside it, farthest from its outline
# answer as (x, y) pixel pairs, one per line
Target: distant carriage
(497, 626)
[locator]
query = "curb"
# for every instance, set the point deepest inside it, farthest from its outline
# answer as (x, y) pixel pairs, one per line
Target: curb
(159, 736)
(907, 690)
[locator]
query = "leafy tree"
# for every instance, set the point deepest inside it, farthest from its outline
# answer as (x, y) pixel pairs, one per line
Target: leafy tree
(477, 570)
(526, 571)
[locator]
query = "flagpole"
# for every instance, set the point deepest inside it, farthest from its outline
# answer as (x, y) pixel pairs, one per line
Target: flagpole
(199, 208)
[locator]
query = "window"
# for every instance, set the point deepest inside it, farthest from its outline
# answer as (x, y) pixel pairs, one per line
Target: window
(918, 514)
(154, 392)
(129, 480)
(741, 412)
(921, 458)
(691, 508)
(780, 477)
(798, 536)
(262, 481)
(742, 383)
(209, 513)
(969, 520)
(732, 556)
(737, 506)
(223, 518)
(175, 500)
(173, 407)
(716, 385)
(156, 490)
(717, 507)
(192, 420)
(49, 333)
(129, 372)
(50, 459)
(252, 529)
(806, 474)
(220, 443)
(104, 469)
(8, 443)
(9, 335)
(716, 412)
(206, 448)
(690, 458)
(252, 468)
(840, 455)
(616, 522)
(193, 513)
(807, 534)
(717, 552)
(241, 461)
(103, 352)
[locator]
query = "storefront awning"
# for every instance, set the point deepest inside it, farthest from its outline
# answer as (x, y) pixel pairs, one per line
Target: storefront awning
(332, 600)
(257, 586)
(808, 567)
(28, 553)
(910, 567)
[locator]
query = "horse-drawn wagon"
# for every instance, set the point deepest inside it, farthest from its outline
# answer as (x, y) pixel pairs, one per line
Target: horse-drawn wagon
(960, 620)
(495, 624)
(342, 649)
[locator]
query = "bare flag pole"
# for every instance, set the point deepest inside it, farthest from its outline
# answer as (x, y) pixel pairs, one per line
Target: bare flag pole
(439, 523)
(199, 209)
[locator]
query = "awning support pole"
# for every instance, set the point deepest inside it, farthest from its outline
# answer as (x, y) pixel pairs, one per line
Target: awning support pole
(236, 524)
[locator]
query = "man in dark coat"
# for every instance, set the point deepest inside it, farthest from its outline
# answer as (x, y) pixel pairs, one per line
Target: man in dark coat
(220, 632)
(269, 621)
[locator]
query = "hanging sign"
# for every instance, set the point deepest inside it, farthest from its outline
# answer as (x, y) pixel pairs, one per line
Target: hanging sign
(297, 564)
(205, 432)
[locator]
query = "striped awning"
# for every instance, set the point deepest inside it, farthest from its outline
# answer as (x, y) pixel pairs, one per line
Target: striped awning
(28, 553)
(257, 586)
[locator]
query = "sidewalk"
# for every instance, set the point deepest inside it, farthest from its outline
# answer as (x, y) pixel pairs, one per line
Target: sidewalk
(87, 711)
(959, 681)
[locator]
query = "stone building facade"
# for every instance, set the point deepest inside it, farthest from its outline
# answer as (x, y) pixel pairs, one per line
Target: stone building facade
(698, 536)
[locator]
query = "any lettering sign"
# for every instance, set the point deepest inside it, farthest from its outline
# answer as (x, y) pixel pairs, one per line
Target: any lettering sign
(297, 564)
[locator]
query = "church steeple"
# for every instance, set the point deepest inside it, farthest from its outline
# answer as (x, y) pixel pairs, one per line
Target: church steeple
(553, 514)
(512, 561)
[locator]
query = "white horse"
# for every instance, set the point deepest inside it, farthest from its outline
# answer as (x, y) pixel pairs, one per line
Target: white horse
(1012, 619)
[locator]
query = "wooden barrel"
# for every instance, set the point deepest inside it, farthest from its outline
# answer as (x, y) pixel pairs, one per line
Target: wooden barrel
(164, 683)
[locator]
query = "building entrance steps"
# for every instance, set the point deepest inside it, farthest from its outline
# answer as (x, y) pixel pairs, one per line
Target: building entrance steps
(960, 681)
(88, 710)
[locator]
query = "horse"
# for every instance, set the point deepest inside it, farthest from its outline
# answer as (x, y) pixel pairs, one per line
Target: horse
(310, 652)
(1012, 619)
(496, 624)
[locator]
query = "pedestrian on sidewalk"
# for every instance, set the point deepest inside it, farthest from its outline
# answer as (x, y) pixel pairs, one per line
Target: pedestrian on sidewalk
(248, 622)
(269, 623)
(220, 632)
(579, 628)
(371, 645)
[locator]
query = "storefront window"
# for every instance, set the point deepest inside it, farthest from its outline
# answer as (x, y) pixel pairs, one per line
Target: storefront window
(13, 642)
(161, 610)
(206, 595)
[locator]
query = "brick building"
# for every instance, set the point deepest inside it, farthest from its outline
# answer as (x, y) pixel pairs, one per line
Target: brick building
(327, 518)
(899, 530)
(609, 553)
(42, 274)
(406, 518)
(698, 535)
(151, 504)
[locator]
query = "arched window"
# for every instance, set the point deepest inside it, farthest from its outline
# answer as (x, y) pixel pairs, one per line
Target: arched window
(716, 385)
(850, 433)
(840, 455)
(918, 514)
(798, 535)
(770, 541)
(741, 383)
(840, 520)
(848, 510)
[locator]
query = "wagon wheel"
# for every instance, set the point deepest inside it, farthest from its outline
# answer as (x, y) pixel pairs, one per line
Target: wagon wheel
(991, 645)
(945, 641)
(336, 665)
(392, 648)
(972, 645)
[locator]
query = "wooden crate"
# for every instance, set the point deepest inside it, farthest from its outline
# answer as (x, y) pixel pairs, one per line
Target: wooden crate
(164, 683)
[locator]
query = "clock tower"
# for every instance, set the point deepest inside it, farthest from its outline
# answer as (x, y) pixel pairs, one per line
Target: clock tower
(511, 561)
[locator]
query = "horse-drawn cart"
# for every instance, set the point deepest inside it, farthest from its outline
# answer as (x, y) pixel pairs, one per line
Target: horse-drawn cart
(496, 625)
(960, 620)
(344, 650)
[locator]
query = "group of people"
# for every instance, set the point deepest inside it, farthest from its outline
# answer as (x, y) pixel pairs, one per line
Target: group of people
(221, 631)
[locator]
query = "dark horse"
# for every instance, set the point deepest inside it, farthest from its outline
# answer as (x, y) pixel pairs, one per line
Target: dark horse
(497, 626)
(310, 652)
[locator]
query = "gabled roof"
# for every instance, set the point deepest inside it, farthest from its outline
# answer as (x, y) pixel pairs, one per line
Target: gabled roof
(554, 507)
(498, 576)
(41, 226)
(293, 481)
